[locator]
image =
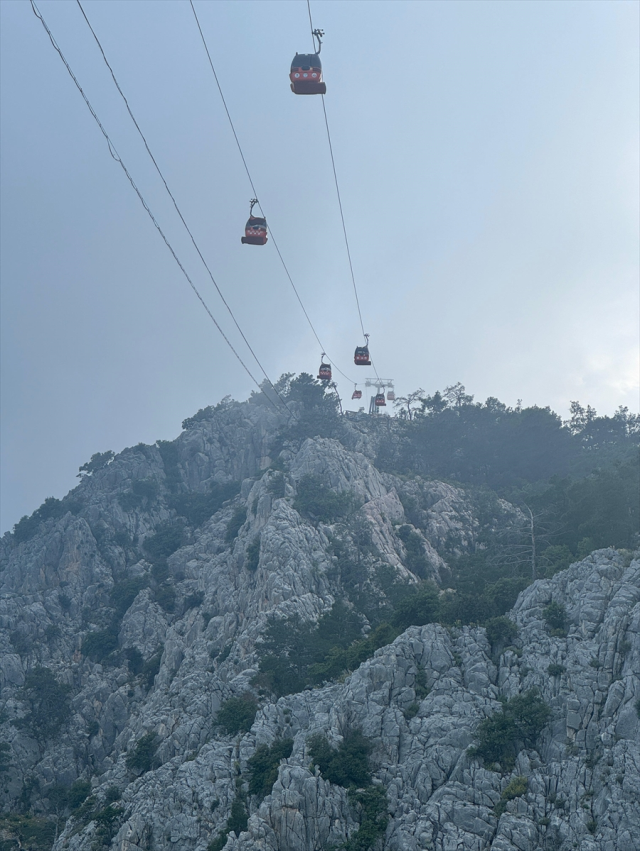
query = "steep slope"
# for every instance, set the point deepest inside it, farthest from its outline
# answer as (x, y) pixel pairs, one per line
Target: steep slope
(150, 599)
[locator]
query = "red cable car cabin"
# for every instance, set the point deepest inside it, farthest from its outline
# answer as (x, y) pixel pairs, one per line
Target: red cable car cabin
(391, 396)
(379, 401)
(361, 357)
(255, 231)
(324, 373)
(357, 394)
(306, 75)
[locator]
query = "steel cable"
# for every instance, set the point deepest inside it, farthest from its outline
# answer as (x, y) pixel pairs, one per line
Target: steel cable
(117, 158)
(255, 193)
(175, 204)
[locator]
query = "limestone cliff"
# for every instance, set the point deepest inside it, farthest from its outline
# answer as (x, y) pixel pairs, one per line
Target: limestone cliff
(149, 594)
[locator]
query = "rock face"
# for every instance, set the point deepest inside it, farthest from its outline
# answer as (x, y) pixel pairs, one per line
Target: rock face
(150, 604)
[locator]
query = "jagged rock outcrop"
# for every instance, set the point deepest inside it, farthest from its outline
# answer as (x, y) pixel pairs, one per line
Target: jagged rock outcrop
(152, 609)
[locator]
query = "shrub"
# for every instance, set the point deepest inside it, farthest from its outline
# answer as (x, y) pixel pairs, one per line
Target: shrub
(555, 670)
(420, 608)
(142, 757)
(253, 555)
(514, 789)
(170, 458)
(348, 765)
(517, 724)
(165, 597)
(237, 714)
(319, 502)
(135, 660)
(239, 816)
(198, 507)
(556, 617)
(277, 485)
(168, 538)
(98, 645)
(263, 766)
(638, 708)
(48, 704)
(99, 461)
(112, 794)
(52, 632)
(27, 832)
(93, 728)
(27, 527)
(194, 600)
(64, 601)
(416, 558)
(124, 593)
(372, 803)
(411, 711)
(500, 631)
(78, 792)
(237, 520)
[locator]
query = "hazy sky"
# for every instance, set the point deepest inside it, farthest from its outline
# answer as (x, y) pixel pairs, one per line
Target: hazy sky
(487, 154)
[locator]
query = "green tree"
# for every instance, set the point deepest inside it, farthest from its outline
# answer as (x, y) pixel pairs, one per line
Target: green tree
(47, 702)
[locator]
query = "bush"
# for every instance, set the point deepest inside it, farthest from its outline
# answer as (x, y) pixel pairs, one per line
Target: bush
(263, 766)
(99, 461)
(26, 832)
(555, 670)
(78, 792)
(48, 704)
(27, 527)
(194, 600)
(319, 502)
(556, 617)
(500, 631)
(253, 555)
(234, 525)
(515, 789)
(100, 644)
(348, 765)
(135, 660)
(165, 597)
(416, 558)
(168, 538)
(198, 507)
(372, 803)
(516, 725)
(420, 608)
(124, 593)
(237, 714)
(142, 757)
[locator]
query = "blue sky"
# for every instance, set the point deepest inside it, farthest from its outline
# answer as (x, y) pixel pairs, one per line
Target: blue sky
(487, 154)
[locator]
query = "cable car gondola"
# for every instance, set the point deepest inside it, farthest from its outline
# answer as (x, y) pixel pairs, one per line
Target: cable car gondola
(324, 371)
(391, 396)
(255, 230)
(357, 394)
(306, 71)
(379, 400)
(361, 356)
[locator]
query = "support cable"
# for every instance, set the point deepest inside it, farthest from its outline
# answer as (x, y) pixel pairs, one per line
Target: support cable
(255, 193)
(117, 158)
(335, 177)
(175, 204)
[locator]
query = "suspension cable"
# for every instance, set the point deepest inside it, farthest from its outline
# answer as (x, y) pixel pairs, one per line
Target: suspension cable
(255, 193)
(335, 178)
(175, 204)
(117, 158)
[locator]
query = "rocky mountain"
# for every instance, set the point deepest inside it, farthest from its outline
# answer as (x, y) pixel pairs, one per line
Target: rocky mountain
(243, 639)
